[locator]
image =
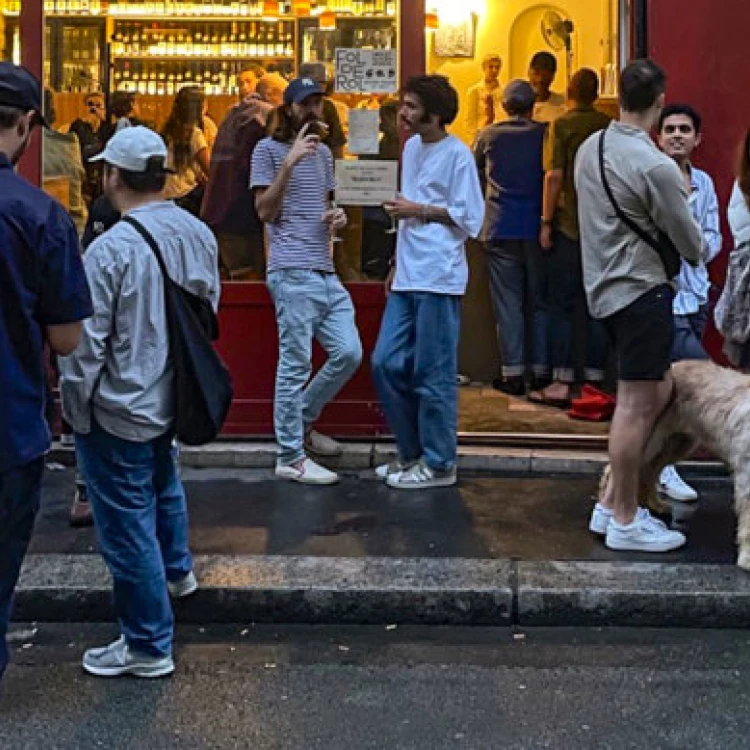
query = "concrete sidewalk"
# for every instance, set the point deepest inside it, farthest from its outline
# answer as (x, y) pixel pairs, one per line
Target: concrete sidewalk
(496, 549)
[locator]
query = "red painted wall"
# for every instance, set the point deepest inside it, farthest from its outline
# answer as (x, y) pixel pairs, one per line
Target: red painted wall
(703, 45)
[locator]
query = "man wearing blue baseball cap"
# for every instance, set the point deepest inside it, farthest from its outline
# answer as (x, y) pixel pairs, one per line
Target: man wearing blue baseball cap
(43, 296)
(293, 179)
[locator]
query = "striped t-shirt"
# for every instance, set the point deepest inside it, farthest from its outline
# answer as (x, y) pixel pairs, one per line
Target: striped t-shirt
(298, 239)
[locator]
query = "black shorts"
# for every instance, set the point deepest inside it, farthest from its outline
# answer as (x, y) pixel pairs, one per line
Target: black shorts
(642, 335)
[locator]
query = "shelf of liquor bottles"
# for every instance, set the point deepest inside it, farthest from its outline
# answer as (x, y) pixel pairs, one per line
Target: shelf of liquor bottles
(201, 39)
(215, 9)
(164, 78)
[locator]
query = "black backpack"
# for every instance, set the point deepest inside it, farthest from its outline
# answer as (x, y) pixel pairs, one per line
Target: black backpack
(203, 384)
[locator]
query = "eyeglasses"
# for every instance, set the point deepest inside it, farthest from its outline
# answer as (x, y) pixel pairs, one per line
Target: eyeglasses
(94, 104)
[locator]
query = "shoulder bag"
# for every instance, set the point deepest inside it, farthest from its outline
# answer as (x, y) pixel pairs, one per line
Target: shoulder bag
(203, 384)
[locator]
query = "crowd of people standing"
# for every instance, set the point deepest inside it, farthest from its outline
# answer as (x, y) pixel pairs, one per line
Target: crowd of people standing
(577, 214)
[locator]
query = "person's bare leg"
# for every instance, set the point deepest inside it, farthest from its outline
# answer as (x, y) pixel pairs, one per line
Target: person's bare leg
(639, 404)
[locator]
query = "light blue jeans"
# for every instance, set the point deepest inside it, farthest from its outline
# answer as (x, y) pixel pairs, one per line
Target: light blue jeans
(414, 366)
(141, 521)
(310, 305)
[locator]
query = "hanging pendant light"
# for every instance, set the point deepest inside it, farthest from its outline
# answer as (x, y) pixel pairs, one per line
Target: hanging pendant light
(301, 8)
(327, 20)
(431, 21)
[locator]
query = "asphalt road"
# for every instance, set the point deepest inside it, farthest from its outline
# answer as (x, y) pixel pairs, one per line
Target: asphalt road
(381, 688)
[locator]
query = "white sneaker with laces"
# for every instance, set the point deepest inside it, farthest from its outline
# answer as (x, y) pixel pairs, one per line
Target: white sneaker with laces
(600, 518)
(117, 659)
(184, 587)
(675, 487)
(394, 467)
(421, 477)
(306, 471)
(643, 534)
(322, 445)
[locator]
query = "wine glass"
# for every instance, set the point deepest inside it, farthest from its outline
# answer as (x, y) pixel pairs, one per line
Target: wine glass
(334, 234)
(394, 221)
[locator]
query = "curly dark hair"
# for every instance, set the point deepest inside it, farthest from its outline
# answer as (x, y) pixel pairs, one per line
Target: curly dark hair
(186, 115)
(437, 96)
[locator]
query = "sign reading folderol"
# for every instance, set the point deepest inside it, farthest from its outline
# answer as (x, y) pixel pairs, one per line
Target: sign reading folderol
(366, 71)
(365, 183)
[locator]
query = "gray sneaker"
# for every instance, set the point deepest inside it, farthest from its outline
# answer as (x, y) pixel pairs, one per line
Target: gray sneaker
(184, 587)
(117, 659)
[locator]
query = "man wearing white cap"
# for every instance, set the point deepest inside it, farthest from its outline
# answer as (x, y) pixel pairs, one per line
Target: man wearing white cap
(117, 390)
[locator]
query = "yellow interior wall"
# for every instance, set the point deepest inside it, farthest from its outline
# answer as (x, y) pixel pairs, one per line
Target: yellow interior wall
(511, 28)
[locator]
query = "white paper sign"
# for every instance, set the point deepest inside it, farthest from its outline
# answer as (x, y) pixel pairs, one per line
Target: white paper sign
(366, 71)
(364, 129)
(365, 183)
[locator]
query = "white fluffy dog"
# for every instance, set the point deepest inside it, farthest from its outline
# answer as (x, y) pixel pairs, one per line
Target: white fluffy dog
(711, 408)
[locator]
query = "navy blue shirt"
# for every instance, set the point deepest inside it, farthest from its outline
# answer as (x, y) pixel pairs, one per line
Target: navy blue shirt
(509, 157)
(42, 282)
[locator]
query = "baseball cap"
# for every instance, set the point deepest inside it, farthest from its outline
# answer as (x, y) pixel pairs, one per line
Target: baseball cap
(519, 96)
(20, 89)
(131, 148)
(300, 88)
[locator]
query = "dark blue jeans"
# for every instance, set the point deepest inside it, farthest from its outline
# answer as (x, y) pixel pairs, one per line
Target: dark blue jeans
(19, 503)
(516, 279)
(141, 521)
(414, 366)
(688, 335)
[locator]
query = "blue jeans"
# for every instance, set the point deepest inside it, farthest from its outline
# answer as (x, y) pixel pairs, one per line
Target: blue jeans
(141, 521)
(569, 320)
(310, 305)
(688, 335)
(516, 289)
(414, 366)
(19, 503)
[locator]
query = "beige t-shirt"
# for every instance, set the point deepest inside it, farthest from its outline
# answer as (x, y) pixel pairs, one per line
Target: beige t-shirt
(186, 180)
(550, 110)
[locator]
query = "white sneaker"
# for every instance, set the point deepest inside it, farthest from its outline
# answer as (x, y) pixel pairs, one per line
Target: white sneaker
(307, 472)
(322, 445)
(394, 467)
(644, 534)
(184, 587)
(117, 659)
(421, 477)
(675, 487)
(600, 518)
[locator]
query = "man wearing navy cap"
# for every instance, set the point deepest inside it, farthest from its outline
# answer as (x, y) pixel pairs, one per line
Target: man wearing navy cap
(43, 296)
(292, 176)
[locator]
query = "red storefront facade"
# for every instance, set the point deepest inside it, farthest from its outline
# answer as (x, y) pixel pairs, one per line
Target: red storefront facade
(705, 56)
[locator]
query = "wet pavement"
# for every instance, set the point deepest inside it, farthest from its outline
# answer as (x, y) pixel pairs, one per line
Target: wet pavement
(245, 512)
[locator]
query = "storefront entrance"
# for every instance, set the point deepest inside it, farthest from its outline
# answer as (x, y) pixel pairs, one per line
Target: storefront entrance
(152, 49)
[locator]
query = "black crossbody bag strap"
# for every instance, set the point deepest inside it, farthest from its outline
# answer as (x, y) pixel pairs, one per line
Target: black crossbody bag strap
(621, 215)
(150, 241)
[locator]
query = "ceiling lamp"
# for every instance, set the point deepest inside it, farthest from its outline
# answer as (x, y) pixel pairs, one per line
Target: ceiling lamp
(271, 7)
(327, 20)
(301, 7)
(431, 21)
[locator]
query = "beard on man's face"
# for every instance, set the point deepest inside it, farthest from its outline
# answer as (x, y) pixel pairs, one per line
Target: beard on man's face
(16, 157)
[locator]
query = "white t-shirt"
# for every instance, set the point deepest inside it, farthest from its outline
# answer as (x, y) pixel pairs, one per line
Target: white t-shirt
(431, 257)
(180, 184)
(550, 110)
